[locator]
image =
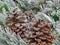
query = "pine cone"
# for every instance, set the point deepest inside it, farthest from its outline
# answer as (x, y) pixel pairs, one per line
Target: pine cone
(33, 31)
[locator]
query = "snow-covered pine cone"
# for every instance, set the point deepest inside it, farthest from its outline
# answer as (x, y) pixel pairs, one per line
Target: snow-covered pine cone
(33, 31)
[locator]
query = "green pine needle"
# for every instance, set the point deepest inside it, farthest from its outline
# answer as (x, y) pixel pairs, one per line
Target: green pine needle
(55, 17)
(4, 6)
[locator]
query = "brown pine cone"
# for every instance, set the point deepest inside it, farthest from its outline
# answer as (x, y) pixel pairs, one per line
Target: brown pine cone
(33, 31)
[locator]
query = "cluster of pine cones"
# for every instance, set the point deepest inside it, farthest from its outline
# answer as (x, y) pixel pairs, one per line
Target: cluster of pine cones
(33, 31)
